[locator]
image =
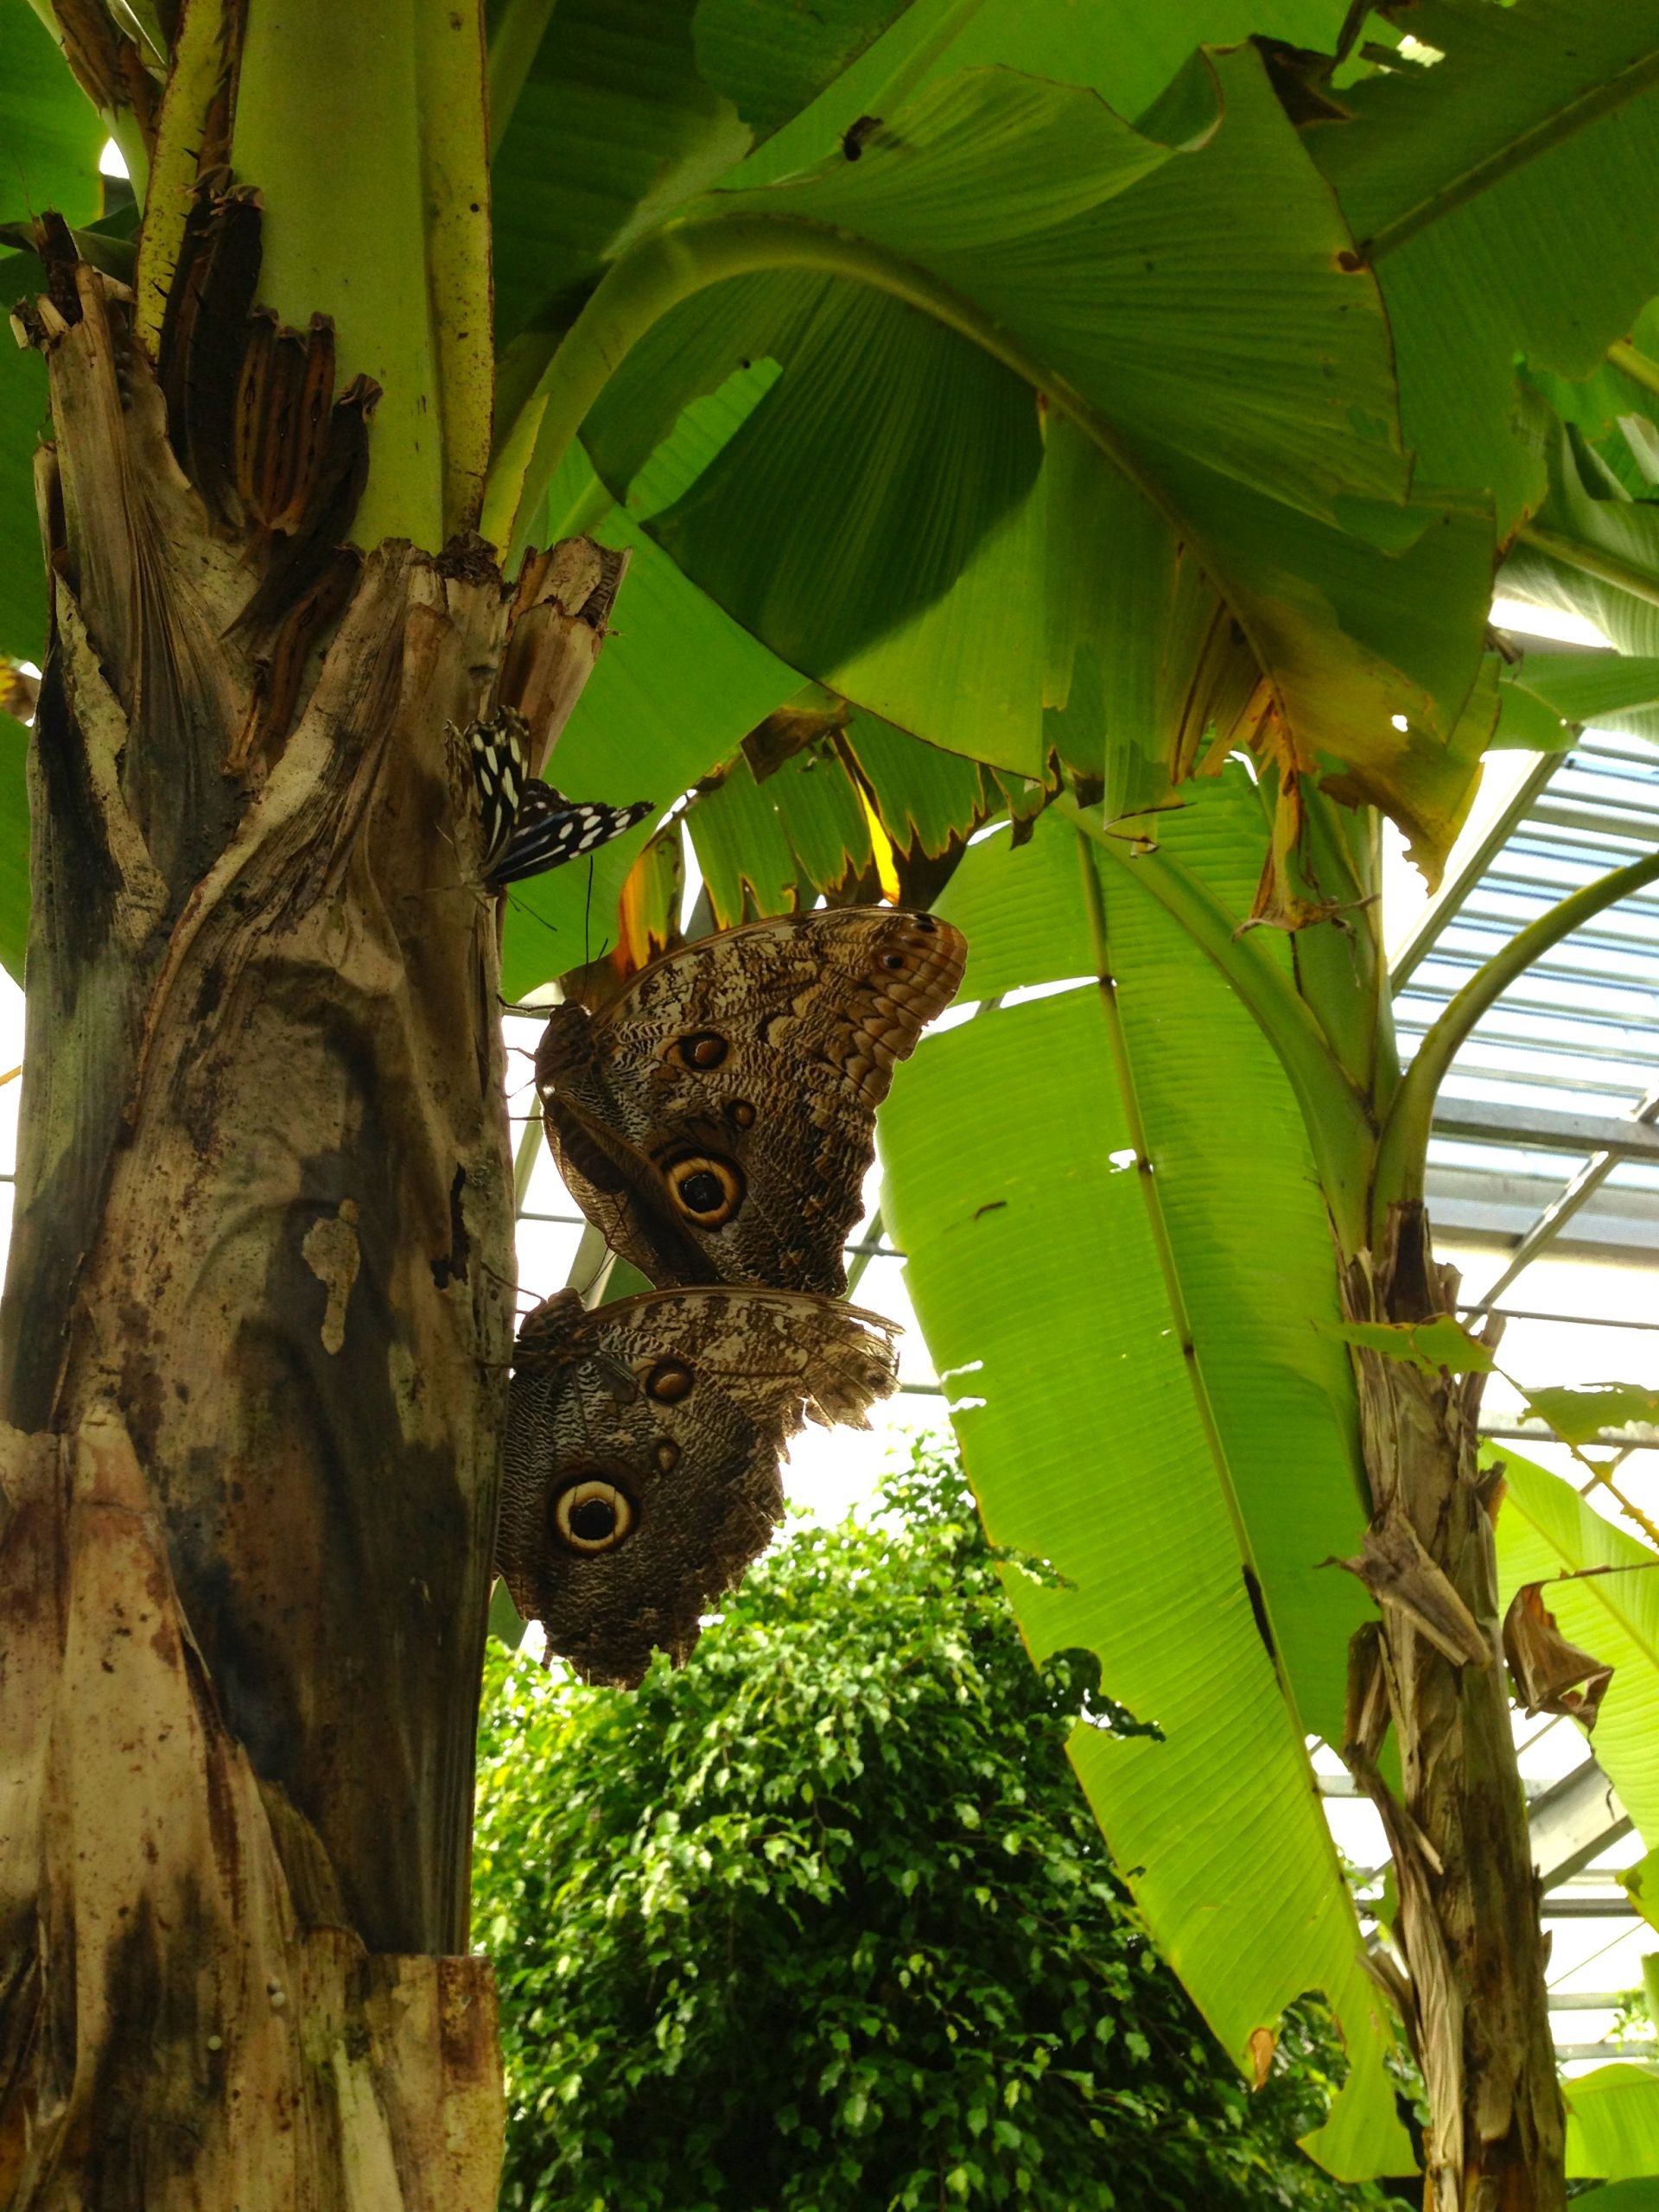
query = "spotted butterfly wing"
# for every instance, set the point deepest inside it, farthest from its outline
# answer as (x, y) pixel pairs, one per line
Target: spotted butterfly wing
(641, 1474)
(549, 829)
(716, 1122)
(528, 826)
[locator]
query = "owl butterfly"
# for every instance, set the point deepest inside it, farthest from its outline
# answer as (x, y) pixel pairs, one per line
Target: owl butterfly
(715, 1122)
(528, 826)
(643, 1441)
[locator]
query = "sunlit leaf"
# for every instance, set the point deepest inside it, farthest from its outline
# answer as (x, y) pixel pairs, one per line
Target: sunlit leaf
(1579, 1416)
(1591, 549)
(1428, 1345)
(1622, 2196)
(1545, 1531)
(925, 797)
(748, 866)
(1612, 2132)
(1552, 695)
(1099, 1442)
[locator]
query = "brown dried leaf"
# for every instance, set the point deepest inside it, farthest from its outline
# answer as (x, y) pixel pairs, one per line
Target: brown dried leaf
(1263, 2044)
(1365, 1722)
(1545, 1666)
(1397, 1569)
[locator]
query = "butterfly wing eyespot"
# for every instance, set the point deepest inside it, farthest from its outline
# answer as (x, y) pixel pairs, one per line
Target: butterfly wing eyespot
(592, 1515)
(703, 1049)
(669, 1382)
(707, 1191)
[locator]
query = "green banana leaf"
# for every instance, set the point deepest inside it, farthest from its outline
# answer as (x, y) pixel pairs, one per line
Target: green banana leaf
(1591, 549)
(1545, 1531)
(50, 131)
(629, 108)
(1612, 2126)
(882, 516)
(676, 690)
(1610, 408)
(1549, 698)
(1174, 1420)
(1622, 2196)
(23, 415)
(1463, 176)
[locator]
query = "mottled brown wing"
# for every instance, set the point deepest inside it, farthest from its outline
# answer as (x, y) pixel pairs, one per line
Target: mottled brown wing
(640, 1472)
(717, 1120)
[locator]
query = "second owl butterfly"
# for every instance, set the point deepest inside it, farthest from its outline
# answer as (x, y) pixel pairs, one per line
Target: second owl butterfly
(528, 826)
(641, 1472)
(717, 1121)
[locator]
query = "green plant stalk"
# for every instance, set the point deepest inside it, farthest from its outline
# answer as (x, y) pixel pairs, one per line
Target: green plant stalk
(1590, 561)
(1339, 1128)
(1635, 364)
(194, 81)
(1402, 1150)
(1340, 969)
(1577, 115)
(364, 129)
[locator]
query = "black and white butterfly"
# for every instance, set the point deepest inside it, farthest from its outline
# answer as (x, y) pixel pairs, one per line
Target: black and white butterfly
(528, 826)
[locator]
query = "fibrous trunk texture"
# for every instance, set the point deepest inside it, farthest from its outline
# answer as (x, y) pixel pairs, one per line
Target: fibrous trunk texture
(257, 1316)
(1474, 1996)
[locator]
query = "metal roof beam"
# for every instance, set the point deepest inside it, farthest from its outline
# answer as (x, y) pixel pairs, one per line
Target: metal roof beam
(1572, 1822)
(1452, 895)
(1550, 1224)
(1542, 1127)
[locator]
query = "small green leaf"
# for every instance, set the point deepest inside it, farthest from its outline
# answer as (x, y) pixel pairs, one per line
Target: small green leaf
(1441, 1343)
(1579, 1416)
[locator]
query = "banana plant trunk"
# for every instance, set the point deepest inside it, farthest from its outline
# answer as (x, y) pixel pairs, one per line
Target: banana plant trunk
(1473, 1994)
(259, 1310)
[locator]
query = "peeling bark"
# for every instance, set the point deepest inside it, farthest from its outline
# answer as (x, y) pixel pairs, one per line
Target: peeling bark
(1473, 1997)
(257, 1317)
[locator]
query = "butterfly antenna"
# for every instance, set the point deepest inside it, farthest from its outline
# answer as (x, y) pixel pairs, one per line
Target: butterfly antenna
(587, 912)
(518, 904)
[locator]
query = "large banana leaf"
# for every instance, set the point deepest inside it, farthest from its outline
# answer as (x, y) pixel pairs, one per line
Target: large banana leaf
(629, 108)
(22, 418)
(1592, 548)
(1549, 699)
(672, 696)
(1612, 2124)
(1508, 193)
(882, 517)
(1546, 1531)
(1173, 1435)
(50, 131)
